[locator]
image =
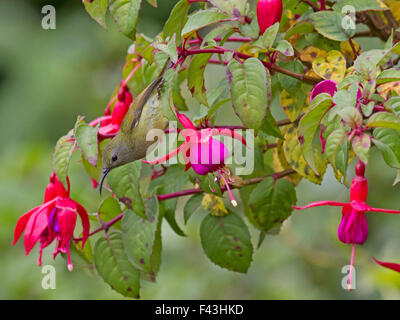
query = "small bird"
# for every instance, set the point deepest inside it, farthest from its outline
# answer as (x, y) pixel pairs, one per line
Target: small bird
(144, 114)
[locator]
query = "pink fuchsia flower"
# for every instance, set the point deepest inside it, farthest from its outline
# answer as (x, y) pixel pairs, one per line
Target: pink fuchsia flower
(201, 151)
(55, 219)
(111, 121)
(269, 12)
(353, 228)
(326, 86)
(329, 87)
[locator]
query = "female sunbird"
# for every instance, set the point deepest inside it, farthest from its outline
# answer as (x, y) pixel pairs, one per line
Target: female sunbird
(144, 114)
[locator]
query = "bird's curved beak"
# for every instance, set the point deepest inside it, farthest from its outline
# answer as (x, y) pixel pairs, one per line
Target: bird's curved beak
(103, 175)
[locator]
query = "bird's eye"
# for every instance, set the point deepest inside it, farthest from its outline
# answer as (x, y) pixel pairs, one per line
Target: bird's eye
(114, 158)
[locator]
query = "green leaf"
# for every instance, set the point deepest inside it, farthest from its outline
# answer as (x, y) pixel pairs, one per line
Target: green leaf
(208, 40)
(393, 104)
(351, 116)
(269, 36)
(388, 75)
(234, 8)
(361, 5)
(388, 142)
(81, 258)
(97, 10)
(249, 90)
(271, 203)
(384, 120)
(329, 24)
(285, 48)
(142, 238)
(169, 49)
(172, 181)
(62, 156)
(309, 124)
(178, 98)
(367, 62)
(86, 139)
(196, 71)
(124, 183)
(226, 242)
(176, 21)
(125, 14)
(361, 145)
(201, 19)
(192, 205)
(290, 84)
(109, 208)
(114, 267)
(301, 27)
(167, 97)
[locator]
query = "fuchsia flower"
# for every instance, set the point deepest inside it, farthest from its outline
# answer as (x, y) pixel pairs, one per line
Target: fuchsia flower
(111, 122)
(54, 219)
(269, 12)
(329, 87)
(202, 152)
(353, 228)
(326, 86)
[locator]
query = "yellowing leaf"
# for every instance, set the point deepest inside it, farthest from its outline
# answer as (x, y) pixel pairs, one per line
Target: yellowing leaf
(214, 205)
(385, 90)
(346, 49)
(311, 53)
(331, 67)
(290, 105)
(281, 164)
(311, 73)
(394, 6)
(249, 50)
(350, 71)
(294, 156)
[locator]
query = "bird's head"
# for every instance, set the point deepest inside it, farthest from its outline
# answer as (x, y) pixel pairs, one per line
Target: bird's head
(116, 153)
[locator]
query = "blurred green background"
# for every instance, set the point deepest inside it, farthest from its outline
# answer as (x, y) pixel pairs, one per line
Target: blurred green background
(48, 77)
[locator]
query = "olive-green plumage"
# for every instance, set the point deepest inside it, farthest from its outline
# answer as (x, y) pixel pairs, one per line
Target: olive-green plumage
(144, 114)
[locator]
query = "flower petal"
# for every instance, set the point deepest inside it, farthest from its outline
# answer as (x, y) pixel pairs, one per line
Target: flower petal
(85, 222)
(21, 224)
(36, 225)
(389, 265)
(66, 216)
(353, 227)
(326, 86)
(185, 121)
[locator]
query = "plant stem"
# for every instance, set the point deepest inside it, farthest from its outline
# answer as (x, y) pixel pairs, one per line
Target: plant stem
(231, 39)
(270, 66)
(353, 48)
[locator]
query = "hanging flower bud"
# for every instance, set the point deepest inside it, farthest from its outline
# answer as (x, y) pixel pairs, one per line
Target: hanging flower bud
(268, 13)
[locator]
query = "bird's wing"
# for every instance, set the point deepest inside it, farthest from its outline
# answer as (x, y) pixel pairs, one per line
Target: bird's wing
(144, 97)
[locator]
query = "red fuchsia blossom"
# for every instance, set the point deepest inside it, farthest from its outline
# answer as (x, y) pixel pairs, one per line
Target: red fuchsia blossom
(111, 122)
(202, 152)
(55, 219)
(269, 12)
(353, 228)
